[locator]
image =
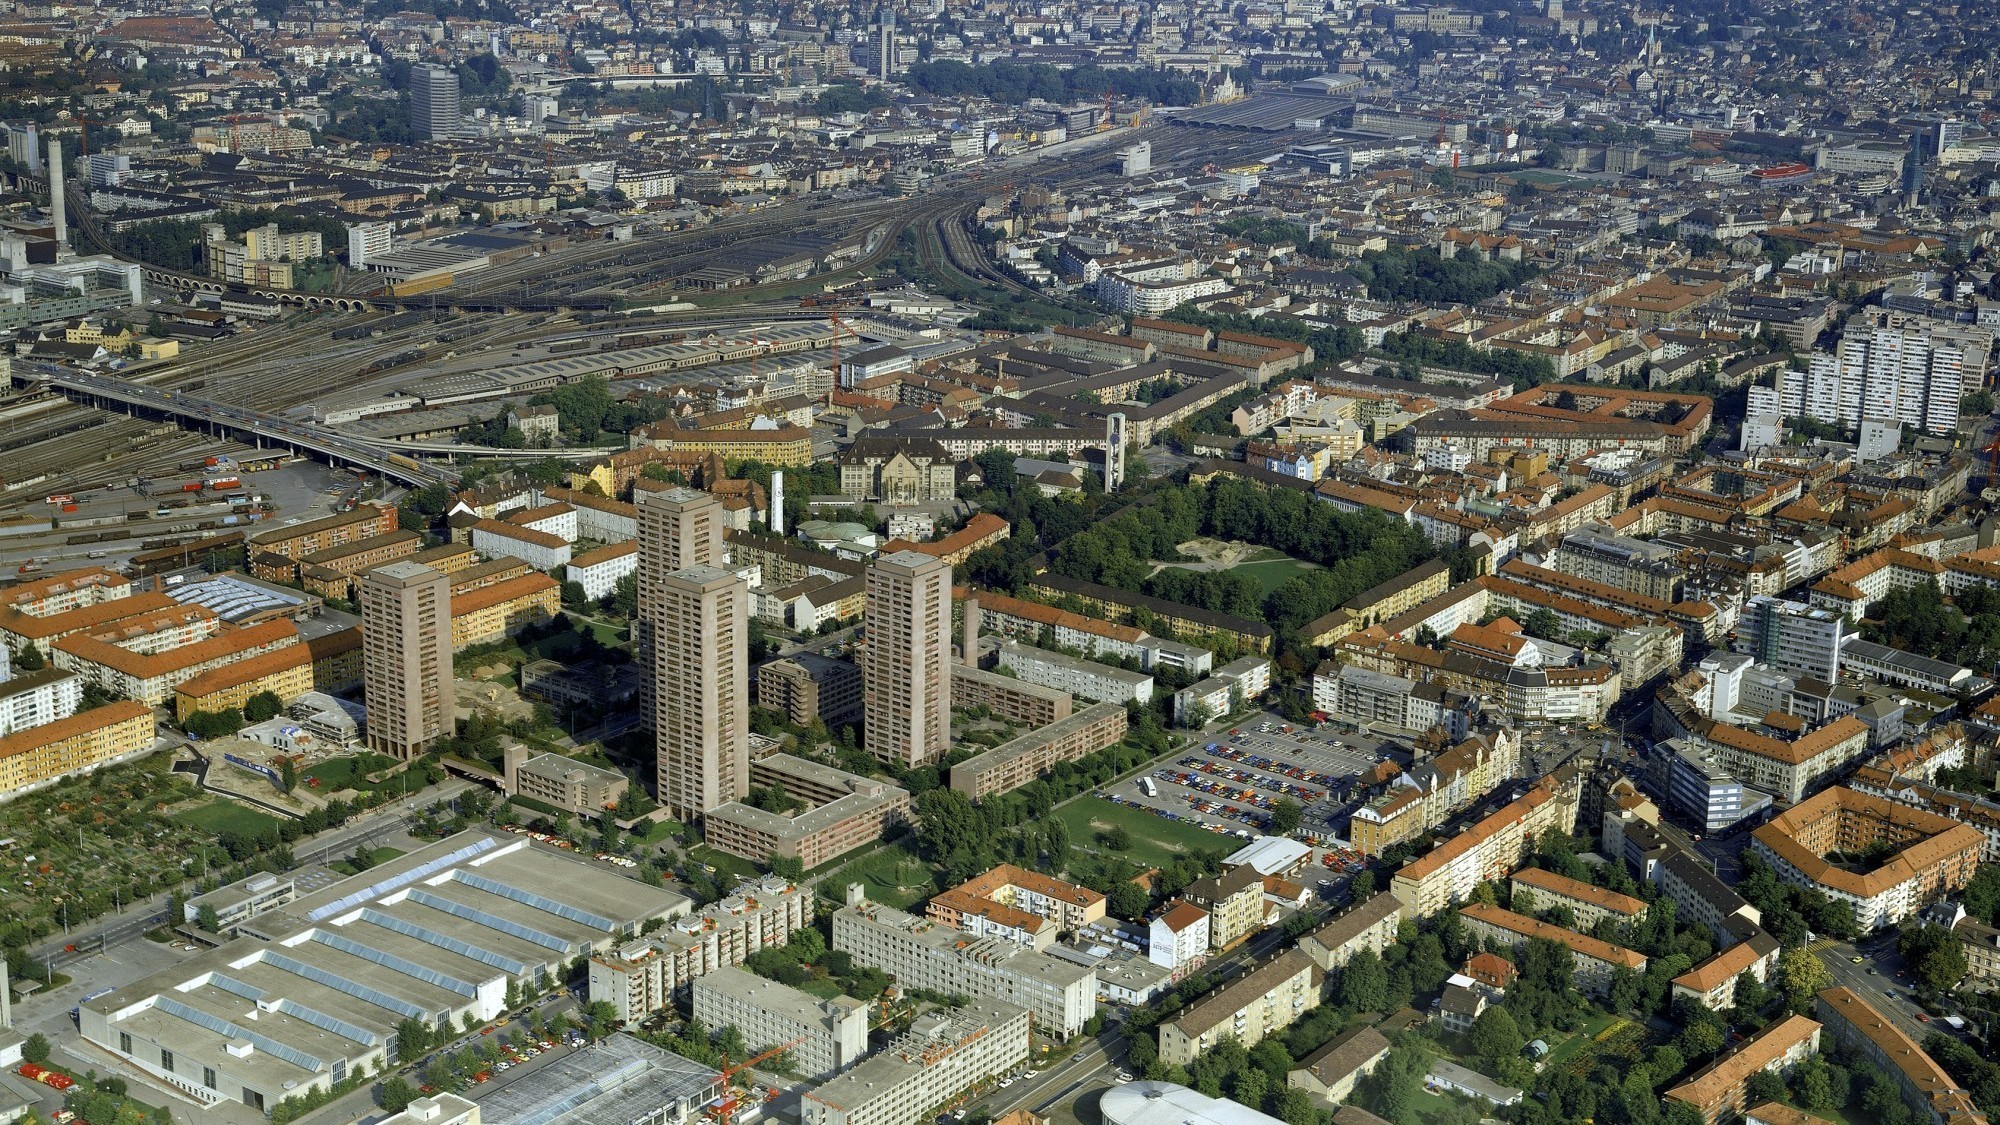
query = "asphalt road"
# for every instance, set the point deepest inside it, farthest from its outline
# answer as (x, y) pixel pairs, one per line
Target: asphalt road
(1882, 988)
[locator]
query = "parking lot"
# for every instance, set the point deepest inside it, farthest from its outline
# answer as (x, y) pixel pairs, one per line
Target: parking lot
(1228, 781)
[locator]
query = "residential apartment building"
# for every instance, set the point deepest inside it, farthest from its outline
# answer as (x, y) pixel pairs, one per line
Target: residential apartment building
(1712, 984)
(599, 569)
(1720, 1089)
(301, 539)
(152, 677)
(497, 610)
(539, 549)
(1930, 1092)
(1022, 906)
(828, 1036)
(698, 637)
(284, 672)
(1906, 375)
(646, 975)
(1934, 855)
(81, 742)
(905, 664)
(1786, 769)
(1177, 937)
(846, 811)
(1537, 890)
(1594, 960)
(1100, 683)
(1597, 553)
(1234, 901)
(944, 1053)
(66, 590)
(406, 658)
(30, 699)
(1261, 1002)
(1015, 700)
(1333, 1071)
(807, 688)
(1370, 924)
(921, 953)
(1488, 850)
(1020, 760)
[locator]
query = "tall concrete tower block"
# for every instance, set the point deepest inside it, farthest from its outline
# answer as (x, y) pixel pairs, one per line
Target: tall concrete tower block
(58, 203)
(906, 666)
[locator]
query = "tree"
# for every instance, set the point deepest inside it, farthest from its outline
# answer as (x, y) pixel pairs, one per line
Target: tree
(1813, 1085)
(1285, 816)
(1127, 900)
(264, 705)
(1494, 1035)
(1935, 955)
(396, 1094)
(29, 659)
(36, 1048)
(1117, 839)
(206, 918)
(1364, 983)
(1700, 1039)
(1803, 976)
(1764, 1086)
(213, 724)
(788, 866)
(288, 773)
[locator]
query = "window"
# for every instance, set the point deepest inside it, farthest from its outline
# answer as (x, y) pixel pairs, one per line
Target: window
(125, 1042)
(166, 1060)
(208, 1077)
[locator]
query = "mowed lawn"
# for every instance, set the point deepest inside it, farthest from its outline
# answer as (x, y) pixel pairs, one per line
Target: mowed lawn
(1155, 839)
(1269, 569)
(228, 816)
(892, 876)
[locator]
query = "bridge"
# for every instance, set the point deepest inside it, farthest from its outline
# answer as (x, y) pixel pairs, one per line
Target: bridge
(265, 429)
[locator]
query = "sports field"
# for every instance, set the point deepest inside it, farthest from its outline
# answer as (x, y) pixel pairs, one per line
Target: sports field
(1155, 839)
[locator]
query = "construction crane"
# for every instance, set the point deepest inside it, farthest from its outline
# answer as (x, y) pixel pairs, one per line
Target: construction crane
(724, 1111)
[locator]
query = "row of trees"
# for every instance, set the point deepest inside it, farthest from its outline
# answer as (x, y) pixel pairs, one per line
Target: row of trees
(1917, 619)
(1354, 550)
(1399, 274)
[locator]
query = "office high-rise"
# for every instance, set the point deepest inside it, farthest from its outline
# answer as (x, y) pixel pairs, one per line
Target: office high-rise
(678, 528)
(433, 101)
(905, 666)
(406, 657)
(699, 622)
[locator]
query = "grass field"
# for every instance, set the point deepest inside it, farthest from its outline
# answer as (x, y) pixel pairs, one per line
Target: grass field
(730, 866)
(380, 856)
(227, 816)
(1155, 839)
(346, 773)
(892, 876)
(824, 989)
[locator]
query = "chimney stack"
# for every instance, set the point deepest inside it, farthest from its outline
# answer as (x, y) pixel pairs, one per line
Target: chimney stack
(776, 515)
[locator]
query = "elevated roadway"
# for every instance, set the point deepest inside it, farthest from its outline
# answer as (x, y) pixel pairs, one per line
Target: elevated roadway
(264, 428)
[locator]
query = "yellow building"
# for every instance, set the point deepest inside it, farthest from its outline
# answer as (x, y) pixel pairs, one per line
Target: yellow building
(286, 673)
(491, 613)
(79, 742)
(336, 660)
(785, 445)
